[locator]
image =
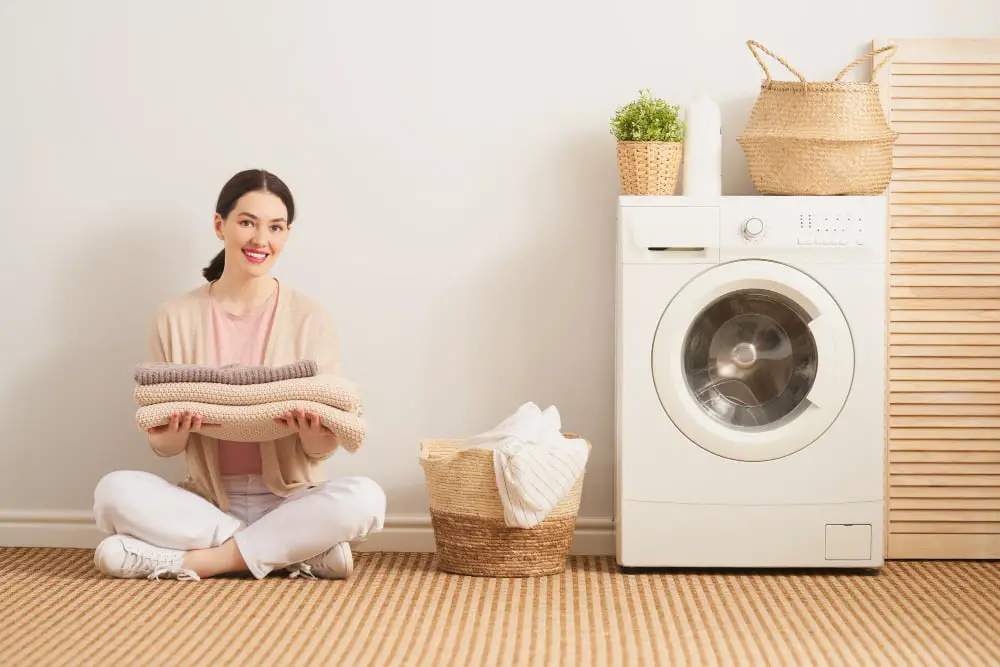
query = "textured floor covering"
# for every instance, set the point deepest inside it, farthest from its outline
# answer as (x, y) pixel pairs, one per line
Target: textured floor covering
(399, 610)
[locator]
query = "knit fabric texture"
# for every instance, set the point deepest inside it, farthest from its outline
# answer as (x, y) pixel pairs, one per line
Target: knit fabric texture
(149, 373)
(254, 423)
(331, 390)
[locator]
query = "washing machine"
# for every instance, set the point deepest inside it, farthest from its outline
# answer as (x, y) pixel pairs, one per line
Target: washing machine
(750, 382)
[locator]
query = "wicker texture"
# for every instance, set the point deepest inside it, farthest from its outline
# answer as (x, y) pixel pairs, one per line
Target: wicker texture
(818, 138)
(649, 167)
(398, 610)
(468, 521)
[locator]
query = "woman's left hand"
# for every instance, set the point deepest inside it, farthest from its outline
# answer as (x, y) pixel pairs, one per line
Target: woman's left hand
(304, 423)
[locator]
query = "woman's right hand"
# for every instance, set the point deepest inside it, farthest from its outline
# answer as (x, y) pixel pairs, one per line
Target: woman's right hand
(171, 438)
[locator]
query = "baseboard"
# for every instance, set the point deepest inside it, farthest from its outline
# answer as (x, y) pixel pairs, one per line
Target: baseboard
(75, 529)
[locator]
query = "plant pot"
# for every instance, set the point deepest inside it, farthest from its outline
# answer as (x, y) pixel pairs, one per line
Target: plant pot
(649, 167)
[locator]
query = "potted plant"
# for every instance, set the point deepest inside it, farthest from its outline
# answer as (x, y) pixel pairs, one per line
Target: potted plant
(650, 145)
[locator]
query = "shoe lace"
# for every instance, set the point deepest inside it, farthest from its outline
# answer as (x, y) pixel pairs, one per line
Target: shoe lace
(301, 570)
(157, 563)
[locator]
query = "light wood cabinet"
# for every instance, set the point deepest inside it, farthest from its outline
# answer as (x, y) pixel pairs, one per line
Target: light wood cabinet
(943, 485)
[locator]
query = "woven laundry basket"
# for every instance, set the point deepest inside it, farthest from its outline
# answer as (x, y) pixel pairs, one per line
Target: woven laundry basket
(818, 138)
(467, 516)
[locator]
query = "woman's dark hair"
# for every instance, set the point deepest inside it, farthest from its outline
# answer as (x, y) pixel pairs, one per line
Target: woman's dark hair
(251, 180)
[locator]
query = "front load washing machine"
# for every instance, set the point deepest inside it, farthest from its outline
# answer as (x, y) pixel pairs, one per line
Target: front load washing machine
(750, 382)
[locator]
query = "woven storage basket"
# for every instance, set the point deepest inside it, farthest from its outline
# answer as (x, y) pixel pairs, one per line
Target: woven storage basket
(649, 167)
(467, 516)
(818, 138)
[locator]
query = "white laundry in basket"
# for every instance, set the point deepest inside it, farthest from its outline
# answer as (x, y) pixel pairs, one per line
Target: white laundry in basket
(535, 464)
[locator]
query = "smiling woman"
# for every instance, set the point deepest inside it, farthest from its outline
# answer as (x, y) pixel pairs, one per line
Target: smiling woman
(245, 506)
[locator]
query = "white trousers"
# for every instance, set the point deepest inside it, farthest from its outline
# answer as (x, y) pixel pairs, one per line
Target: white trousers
(279, 531)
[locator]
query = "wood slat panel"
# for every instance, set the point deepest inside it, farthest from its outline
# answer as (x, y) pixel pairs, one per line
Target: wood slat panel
(932, 221)
(953, 491)
(946, 374)
(928, 409)
(945, 210)
(946, 68)
(964, 155)
(943, 403)
(945, 421)
(939, 186)
(945, 233)
(933, 293)
(942, 515)
(946, 397)
(987, 528)
(945, 456)
(946, 103)
(944, 362)
(950, 92)
(944, 327)
(945, 245)
(945, 139)
(940, 126)
(944, 503)
(948, 547)
(946, 115)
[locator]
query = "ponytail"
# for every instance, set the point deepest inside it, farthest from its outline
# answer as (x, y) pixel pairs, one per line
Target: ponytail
(213, 271)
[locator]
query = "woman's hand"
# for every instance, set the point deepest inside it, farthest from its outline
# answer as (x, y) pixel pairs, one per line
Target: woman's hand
(316, 438)
(171, 438)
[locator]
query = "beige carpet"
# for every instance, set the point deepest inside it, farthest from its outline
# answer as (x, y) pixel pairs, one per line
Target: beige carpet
(399, 610)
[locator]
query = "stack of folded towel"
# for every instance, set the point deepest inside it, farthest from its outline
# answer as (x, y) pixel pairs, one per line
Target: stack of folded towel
(536, 466)
(245, 400)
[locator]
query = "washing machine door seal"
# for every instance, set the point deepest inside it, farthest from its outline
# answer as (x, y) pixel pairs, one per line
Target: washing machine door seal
(753, 360)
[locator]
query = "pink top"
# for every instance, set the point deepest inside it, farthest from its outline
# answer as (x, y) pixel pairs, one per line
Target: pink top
(240, 339)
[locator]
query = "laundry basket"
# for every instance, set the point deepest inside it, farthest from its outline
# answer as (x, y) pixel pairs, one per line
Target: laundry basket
(818, 138)
(467, 516)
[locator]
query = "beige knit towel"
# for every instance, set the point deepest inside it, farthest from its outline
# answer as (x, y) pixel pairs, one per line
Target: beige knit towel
(331, 390)
(252, 423)
(159, 372)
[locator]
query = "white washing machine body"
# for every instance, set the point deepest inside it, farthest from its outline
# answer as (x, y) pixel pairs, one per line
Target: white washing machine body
(750, 382)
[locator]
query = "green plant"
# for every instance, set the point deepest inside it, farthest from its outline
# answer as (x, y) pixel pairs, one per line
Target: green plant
(647, 119)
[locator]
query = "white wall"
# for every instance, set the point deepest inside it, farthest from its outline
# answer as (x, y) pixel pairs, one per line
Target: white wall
(456, 184)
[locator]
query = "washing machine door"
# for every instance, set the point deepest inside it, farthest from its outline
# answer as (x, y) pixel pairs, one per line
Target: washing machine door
(753, 360)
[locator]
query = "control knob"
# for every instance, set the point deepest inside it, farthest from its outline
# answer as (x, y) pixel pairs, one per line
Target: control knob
(753, 229)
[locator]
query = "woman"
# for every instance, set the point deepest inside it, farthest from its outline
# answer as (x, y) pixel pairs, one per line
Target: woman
(254, 507)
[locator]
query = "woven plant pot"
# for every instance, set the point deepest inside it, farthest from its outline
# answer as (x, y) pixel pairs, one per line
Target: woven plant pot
(467, 516)
(818, 138)
(649, 167)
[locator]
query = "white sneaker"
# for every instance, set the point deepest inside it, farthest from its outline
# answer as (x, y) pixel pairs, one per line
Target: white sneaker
(334, 563)
(125, 557)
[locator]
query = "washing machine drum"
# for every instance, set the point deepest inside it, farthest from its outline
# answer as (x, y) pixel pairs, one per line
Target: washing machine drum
(753, 360)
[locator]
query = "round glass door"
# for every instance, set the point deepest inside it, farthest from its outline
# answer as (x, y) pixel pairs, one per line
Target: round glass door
(752, 360)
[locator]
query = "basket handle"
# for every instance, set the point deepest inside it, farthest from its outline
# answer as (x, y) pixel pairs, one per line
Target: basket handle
(752, 44)
(892, 48)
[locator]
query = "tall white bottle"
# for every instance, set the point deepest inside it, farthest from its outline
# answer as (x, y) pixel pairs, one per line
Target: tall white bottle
(702, 165)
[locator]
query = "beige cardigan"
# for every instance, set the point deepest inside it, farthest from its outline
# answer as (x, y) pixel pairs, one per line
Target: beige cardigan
(302, 329)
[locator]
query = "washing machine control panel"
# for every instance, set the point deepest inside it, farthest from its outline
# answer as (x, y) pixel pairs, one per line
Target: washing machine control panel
(827, 230)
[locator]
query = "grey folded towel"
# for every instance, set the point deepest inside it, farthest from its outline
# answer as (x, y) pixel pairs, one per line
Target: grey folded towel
(159, 373)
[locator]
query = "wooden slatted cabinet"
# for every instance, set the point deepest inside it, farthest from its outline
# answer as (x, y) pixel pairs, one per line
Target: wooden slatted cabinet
(943, 96)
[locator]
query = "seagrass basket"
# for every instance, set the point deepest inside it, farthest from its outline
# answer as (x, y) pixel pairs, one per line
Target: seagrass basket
(818, 138)
(467, 517)
(649, 167)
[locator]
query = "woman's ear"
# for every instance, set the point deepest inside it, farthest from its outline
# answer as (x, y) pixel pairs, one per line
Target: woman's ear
(219, 222)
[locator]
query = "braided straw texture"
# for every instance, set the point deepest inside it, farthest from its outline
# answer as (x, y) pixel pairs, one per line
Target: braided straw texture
(254, 423)
(327, 389)
(467, 516)
(825, 138)
(649, 167)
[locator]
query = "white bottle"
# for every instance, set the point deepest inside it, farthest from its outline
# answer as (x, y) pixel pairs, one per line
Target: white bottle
(702, 165)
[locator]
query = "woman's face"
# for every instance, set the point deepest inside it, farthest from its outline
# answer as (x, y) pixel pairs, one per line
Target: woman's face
(254, 233)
